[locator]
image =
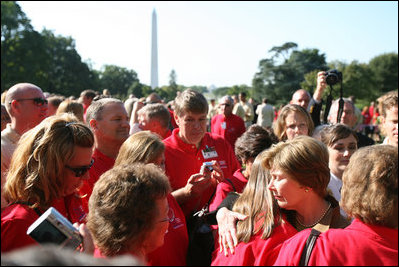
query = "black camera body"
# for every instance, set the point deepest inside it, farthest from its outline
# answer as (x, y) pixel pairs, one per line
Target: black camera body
(333, 77)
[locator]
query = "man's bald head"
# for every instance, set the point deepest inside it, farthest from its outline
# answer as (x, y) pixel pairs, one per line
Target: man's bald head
(301, 97)
(26, 105)
(21, 91)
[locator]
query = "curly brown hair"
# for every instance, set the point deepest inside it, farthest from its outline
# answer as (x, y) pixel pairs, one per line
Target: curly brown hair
(370, 185)
(122, 207)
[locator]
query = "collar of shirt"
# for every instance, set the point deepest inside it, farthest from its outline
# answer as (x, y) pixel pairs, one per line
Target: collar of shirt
(10, 134)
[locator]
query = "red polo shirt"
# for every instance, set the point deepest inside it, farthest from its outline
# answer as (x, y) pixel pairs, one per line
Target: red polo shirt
(358, 244)
(230, 127)
(174, 250)
(102, 163)
(225, 187)
(16, 219)
(183, 160)
(258, 251)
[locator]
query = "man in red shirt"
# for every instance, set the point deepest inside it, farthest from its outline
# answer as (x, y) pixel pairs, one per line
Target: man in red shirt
(109, 122)
(188, 147)
(86, 98)
(154, 118)
(227, 124)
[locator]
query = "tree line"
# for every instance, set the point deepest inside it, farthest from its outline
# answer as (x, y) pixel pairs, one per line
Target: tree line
(53, 63)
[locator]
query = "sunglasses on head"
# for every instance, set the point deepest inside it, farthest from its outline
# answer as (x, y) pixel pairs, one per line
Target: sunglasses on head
(37, 100)
(80, 171)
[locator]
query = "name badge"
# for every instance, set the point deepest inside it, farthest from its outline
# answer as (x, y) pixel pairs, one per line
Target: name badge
(223, 125)
(209, 152)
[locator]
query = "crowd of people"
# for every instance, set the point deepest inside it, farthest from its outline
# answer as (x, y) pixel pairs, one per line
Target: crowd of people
(133, 175)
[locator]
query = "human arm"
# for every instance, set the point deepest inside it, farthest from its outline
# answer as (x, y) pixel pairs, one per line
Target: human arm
(226, 221)
(136, 107)
(321, 86)
(227, 228)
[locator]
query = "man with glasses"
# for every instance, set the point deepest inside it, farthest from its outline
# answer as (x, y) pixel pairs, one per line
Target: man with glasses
(348, 118)
(227, 124)
(27, 107)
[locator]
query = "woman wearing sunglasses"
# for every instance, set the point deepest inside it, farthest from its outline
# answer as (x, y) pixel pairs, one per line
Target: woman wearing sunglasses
(47, 168)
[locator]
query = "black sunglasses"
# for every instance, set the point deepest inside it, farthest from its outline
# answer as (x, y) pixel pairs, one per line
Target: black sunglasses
(80, 171)
(37, 100)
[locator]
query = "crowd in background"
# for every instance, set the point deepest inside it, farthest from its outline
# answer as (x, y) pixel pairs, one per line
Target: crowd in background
(129, 175)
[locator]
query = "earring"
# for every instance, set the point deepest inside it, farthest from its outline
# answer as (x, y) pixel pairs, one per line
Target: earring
(306, 190)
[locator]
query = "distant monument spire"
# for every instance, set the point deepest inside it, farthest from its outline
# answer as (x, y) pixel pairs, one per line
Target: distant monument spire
(154, 52)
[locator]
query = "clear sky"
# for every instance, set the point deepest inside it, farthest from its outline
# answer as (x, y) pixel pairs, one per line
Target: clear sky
(216, 43)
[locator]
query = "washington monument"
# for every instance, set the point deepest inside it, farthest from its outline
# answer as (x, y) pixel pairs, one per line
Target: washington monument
(154, 52)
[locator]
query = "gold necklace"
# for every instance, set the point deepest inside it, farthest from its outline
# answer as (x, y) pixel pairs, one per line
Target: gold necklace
(311, 225)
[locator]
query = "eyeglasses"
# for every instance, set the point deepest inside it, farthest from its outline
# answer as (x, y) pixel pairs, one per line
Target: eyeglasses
(37, 100)
(80, 171)
(171, 216)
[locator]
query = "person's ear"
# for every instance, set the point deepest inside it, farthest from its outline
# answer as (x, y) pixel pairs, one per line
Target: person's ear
(177, 119)
(14, 106)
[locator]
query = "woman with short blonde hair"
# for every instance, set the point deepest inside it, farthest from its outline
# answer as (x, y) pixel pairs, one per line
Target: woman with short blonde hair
(71, 106)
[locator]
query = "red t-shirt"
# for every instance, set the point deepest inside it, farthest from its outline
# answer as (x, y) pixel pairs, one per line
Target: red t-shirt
(16, 219)
(225, 187)
(230, 127)
(366, 118)
(258, 251)
(182, 160)
(358, 244)
(174, 250)
(102, 163)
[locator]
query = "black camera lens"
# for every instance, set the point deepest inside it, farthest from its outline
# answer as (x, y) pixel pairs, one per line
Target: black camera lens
(333, 77)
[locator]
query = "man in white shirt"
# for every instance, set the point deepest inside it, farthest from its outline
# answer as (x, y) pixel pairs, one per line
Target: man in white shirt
(27, 107)
(248, 108)
(265, 114)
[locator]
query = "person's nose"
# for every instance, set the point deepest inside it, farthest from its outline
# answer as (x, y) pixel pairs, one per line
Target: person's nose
(270, 185)
(347, 152)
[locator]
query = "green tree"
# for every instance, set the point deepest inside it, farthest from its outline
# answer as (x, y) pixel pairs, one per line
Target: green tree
(278, 82)
(13, 20)
(358, 81)
(65, 72)
(14, 25)
(118, 80)
(385, 73)
(172, 79)
(49, 61)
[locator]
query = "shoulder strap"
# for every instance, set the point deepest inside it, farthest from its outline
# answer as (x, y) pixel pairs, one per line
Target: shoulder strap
(307, 251)
(231, 182)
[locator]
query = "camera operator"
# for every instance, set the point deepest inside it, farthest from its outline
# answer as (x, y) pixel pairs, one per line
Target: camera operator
(313, 104)
(348, 115)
